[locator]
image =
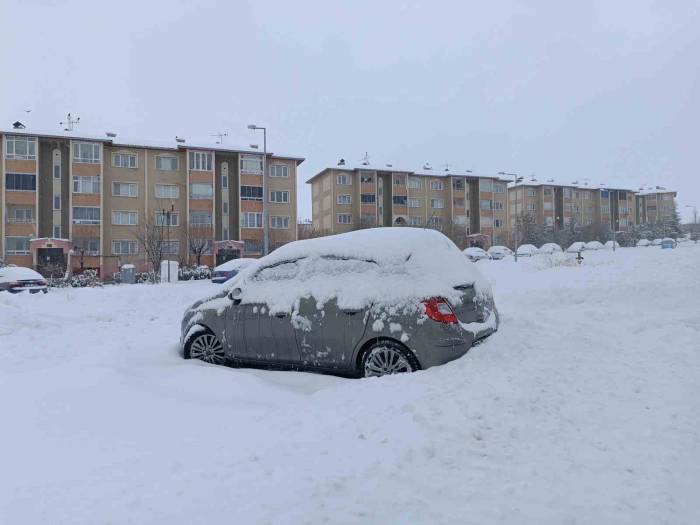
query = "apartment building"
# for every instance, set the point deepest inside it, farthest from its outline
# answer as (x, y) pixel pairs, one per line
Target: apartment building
(655, 204)
(459, 203)
(554, 204)
(88, 199)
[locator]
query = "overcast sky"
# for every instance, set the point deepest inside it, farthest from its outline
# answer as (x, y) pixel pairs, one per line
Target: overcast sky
(608, 91)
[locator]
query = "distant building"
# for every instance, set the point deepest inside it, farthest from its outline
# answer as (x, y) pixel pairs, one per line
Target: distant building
(655, 204)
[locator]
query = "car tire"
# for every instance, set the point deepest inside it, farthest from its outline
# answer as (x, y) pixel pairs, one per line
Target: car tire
(205, 346)
(387, 357)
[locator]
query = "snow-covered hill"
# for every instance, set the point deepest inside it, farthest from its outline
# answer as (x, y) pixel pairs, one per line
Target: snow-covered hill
(583, 408)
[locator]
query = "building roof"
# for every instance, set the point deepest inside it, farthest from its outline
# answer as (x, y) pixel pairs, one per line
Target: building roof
(652, 190)
(582, 185)
(426, 170)
(140, 143)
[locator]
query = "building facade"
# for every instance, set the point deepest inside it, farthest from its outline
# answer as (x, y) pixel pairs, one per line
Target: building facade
(460, 204)
(655, 205)
(91, 200)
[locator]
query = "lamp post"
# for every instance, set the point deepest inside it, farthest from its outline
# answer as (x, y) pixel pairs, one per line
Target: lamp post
(166, 217)
(266, 233)
(695, 221)
(516, 179)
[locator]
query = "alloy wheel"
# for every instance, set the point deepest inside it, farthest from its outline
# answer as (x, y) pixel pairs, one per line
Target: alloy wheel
(384, 360)
(207, 348)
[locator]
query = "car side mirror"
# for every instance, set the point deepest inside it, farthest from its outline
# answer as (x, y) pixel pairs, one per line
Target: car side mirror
(235, 295)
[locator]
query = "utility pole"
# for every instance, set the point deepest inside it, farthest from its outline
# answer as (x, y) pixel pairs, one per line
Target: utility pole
(695, 221)
(166, 216)
(266, 232)
(516, 179)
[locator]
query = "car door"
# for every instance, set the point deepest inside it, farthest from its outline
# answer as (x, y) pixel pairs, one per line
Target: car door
(234, 331)
(326, 337)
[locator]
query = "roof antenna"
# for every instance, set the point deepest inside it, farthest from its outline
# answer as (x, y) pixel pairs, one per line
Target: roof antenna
(221, 136)
(447, 167)
(70, 122)
(365, 159)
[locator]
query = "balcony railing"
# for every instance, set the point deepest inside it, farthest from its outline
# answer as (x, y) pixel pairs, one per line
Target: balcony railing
(20, 220)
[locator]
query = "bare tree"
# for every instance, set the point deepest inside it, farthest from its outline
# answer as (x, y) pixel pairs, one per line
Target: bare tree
(150, 237)
(199, 241)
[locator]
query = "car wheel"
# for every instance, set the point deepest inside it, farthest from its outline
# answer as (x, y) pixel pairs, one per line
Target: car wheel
(204, 345)
(386, 358)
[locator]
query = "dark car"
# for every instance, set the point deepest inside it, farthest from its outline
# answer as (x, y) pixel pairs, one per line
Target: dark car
(230, 269)
(15, 279)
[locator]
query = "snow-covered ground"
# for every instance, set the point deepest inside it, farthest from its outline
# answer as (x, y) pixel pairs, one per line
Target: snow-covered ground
(583, 408)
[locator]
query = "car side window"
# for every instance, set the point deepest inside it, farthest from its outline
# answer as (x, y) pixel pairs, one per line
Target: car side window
(278, 272)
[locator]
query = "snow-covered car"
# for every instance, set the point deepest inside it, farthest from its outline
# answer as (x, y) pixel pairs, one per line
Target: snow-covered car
(230, 269)
(576, 247)
(476, 254)
(15, 279)
(643, 242)
(550, 247)
(499, 252)
(656, 242)
(527, 250)
(667, 243)
(594, 245)
(365, 303)
(609, 245)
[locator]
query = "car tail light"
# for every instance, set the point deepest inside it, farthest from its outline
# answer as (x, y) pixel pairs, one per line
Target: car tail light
(15, 284)
(42, 283)
(438, 309)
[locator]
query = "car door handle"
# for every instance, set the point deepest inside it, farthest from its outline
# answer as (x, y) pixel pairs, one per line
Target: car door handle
(351, 312)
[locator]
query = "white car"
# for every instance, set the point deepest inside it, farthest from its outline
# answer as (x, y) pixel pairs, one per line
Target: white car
(476, 254)
(230, 269)
(15, 279)
(550, 247)
(594, 245)
(527, 250)
(609, 244)
(576, 247)
(656, 242)
(499, 252)
(643, 242)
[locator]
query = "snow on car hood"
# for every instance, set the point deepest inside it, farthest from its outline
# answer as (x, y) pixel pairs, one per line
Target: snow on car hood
(235, 264)
(392, 267)
(18, 273)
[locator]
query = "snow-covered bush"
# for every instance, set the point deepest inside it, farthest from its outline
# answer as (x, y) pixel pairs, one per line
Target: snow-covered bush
(88, 279)
(194, 273)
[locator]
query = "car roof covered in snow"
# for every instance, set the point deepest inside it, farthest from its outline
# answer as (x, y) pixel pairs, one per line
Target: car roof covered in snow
(235, 264)
(18, 273)
(389, 266)
(474, 249)
(499, 249)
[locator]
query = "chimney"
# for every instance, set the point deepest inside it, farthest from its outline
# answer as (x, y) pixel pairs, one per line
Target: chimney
(341, 162)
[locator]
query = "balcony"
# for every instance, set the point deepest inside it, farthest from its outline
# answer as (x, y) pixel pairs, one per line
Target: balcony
(21, 220)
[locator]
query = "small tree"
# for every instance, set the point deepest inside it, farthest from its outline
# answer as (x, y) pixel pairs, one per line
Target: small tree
(199, 241)
(529, 232)
(150, 237)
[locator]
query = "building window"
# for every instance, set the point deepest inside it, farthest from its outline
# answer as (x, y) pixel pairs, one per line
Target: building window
(251, 220)
(124, 189)
(499, 188)
(344, 218)
(530, 193)
(415, 203)
(87, 245)
(437, 203)
(497, 205)
(366, 178)
(201, 190)
(200, 161)
(167, 219)
(124, 160)
(167, 191)
(281, 197)
(20, 148)
(368, 198)
(166, 163)
(436, 185)
(57, 202)
(498, 223)
(57, 172)
(279, 170)
(415, 183)
(224, 207)
(547, 205)
(251, 193)
(200, 218)
(224, 181)
(86, 215)
(548, 221)
(21, 215)
(125, 218)
(124, 247)
(252, 246)
(435, 222)
(251, 164)
(56, 232)
(547, 192)
(225, 234)
(567, 193)
(16, 245)
(279, 222)
(621, 195)
(485, 184)
(345, 198)
(460, 220)
(170, 247)
(399, 180)
(86, 152)
(531, 206)
(399, 200)
(415, 220)
(458, 184)
(486, 222)
(485, 204)
(86, 185)
(20, 182)
(343, 180)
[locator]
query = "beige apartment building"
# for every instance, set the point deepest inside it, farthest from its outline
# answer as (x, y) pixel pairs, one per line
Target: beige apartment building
(655, 204)
(89, 199)
(459, 203)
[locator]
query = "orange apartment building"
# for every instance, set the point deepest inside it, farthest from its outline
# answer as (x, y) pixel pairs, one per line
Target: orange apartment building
(86, 199)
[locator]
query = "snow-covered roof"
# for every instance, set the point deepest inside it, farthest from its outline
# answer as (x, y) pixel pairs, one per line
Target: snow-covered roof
(381, 266)
(170, 144)
(652, 190)
(426, 170)
(583, 185)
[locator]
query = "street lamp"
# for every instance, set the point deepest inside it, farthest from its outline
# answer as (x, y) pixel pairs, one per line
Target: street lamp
(516, 179)
(266, 233)
(695, 221)
(166, 216)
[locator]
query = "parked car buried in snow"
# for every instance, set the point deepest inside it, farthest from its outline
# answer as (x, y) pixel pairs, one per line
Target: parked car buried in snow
(365, 303)
(527, 250)
(230, 269)
(15, 279)
(475, 254)
(550, 247)
(499, 252)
